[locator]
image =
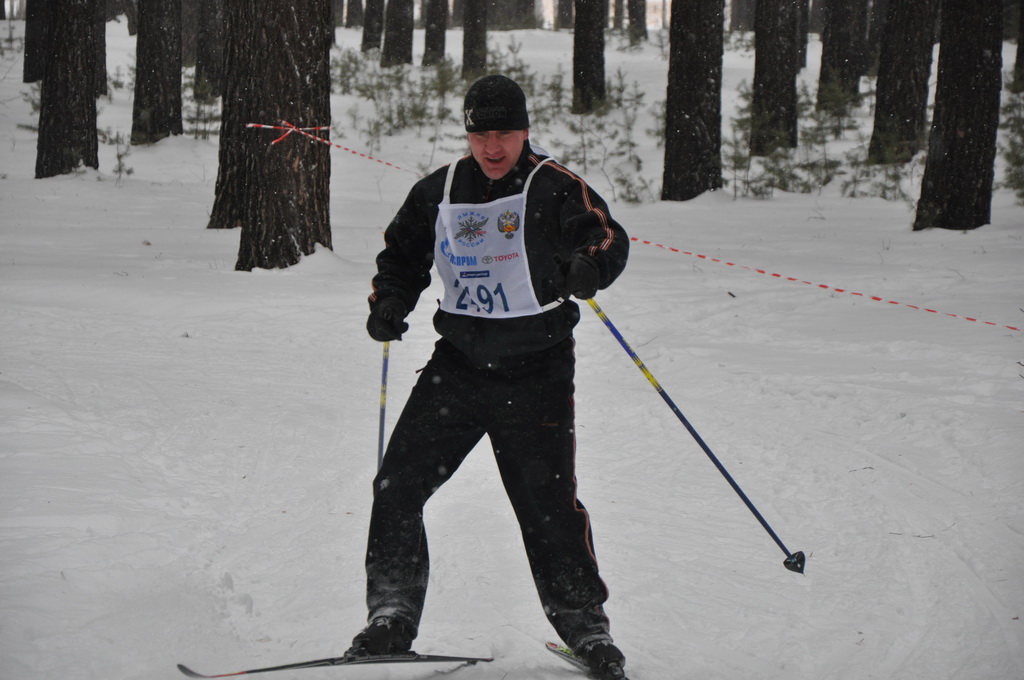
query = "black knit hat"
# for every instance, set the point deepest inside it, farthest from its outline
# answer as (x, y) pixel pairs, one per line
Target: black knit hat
(495, 103)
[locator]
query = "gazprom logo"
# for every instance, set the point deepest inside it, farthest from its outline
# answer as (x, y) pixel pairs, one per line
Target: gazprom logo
(457, 260)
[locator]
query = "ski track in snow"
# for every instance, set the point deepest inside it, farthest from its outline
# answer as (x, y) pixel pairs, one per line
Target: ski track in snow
(186, 451)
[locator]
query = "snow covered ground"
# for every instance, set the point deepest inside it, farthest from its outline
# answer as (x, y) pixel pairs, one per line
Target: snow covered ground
(186, 451)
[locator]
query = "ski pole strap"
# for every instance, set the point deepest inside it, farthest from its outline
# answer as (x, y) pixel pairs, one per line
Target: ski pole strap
(383, 404)
(794, 561)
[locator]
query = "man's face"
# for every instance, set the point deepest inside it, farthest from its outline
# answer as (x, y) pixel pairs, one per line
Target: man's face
(497, 150)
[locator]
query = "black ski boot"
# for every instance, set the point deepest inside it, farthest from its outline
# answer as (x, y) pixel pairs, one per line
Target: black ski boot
(384, 635)
(604, 660)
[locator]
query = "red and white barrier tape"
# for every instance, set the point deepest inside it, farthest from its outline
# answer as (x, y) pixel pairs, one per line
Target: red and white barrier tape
(822, 286)
(289, 128)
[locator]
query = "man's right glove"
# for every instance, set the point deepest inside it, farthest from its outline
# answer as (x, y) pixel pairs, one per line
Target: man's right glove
(387, 320)
(581, 277)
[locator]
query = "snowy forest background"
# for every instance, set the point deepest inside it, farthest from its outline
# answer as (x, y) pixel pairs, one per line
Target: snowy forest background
(186, 449)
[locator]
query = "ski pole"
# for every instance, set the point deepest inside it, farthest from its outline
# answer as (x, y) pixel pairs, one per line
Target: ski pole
(794, 561)
(383, 404)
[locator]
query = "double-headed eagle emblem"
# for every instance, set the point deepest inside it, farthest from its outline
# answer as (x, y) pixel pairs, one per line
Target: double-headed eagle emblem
(508, 223)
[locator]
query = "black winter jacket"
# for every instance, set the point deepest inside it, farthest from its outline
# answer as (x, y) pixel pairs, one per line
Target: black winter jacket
(564, 216)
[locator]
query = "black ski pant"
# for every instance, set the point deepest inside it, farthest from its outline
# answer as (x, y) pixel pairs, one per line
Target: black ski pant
(525, 406)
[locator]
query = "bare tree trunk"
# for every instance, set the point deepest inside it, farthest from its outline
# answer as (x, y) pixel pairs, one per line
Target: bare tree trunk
(36, 13)
(100, 45)
(210, 50)
(741, 15)
(279, 195)
(354, 14)
(189, 30)
(435, 27)
(156, 111)
(1018, 64)
(474, 40)
(774, 102)
(373, 25)
(637, 21)
(67, 113)
(588, 90)
(904, 68)
(398, 28)
(563, 14)
(693, 120)
(816, 21)
(876, 30)
(802, 33)
(842, 55)
(956, 191)
(507, 15)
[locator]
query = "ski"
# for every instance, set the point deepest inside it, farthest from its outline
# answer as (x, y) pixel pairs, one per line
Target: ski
(563, 652)
(407, 657)
(566, 654)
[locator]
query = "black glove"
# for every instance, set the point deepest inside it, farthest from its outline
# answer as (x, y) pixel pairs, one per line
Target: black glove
(387, 320)
(581, 277)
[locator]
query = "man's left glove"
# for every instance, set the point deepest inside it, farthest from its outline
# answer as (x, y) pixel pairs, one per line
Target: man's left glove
(581, 277)
(387, 320)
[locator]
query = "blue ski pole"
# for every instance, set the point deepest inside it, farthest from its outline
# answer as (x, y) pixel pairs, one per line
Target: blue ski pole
(383, 404)
(794, 561)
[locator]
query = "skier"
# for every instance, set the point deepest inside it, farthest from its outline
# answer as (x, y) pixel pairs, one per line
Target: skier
(513, 235)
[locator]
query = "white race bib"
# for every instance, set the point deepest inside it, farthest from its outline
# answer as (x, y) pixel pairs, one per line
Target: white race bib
(480, 254)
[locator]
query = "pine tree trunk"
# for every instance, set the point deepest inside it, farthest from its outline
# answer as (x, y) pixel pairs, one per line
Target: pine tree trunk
(741, 15)
(528, 13)
(189, 30)
(398, 27)
(99, 42)
(1018, 64)
(816, 20)
(508, 15)
(804, 22)
(156, 111)
(67, 114)
(210, 50)
(876, 30)
(278, 194)
(435, 27)
(563, 14)
(842, 56)
(637, 21)
(774, 102)
(36, 12)
(588, 91)
(474, 40)
(693, 120)
(373, 25)
(354, 14)
(904, 68)
(956, 191)
(237, 143)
